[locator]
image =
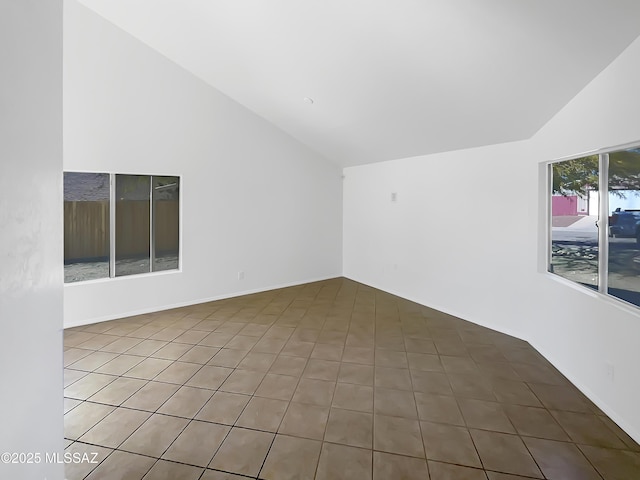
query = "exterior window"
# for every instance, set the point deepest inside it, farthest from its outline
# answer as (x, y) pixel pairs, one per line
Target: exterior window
(166, 228)
(86, 226)
(595, 222)
(623, 265)
(117, 225)
(133, 224)
(574, 235)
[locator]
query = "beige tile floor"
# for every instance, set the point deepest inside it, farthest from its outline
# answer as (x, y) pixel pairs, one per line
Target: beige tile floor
(329, 380)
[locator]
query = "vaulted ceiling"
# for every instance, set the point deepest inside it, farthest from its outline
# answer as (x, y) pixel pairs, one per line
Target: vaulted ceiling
(389, 78)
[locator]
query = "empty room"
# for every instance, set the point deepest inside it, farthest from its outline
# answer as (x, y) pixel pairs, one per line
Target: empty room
(320, 240)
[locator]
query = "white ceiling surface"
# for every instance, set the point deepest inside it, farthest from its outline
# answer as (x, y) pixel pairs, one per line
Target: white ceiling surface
(389, 78)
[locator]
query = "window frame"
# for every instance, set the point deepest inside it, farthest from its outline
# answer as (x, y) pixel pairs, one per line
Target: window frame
(602, 223)
(112, 227)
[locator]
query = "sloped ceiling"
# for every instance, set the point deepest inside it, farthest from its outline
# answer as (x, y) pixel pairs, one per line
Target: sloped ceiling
(389, 78)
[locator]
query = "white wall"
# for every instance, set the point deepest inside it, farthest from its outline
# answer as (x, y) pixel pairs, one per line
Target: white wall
(481, 262)
(254, 199)
(31, 235)
(452, 254)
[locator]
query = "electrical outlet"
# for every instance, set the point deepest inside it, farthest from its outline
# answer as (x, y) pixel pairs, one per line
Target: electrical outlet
(241, 275)
(394, 197)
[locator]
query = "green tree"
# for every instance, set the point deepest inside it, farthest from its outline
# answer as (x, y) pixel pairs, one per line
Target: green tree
(624, 171)
(578, 176)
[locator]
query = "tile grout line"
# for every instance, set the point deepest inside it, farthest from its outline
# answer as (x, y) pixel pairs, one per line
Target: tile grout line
(230, 312)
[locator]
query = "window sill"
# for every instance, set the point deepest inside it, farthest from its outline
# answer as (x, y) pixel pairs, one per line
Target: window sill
(123, 277)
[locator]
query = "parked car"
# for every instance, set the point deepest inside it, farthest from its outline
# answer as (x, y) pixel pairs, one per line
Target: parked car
(625, 223)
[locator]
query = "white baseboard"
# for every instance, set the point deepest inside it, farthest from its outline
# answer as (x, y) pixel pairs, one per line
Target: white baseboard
(442, 309)
(610, 412)
(222, 296)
